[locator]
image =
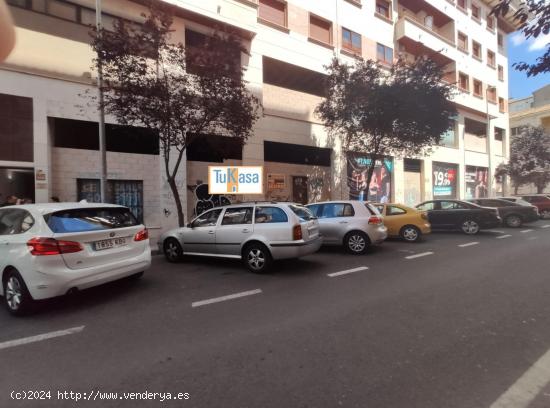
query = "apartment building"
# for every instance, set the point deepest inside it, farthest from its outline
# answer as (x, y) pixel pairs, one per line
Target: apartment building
(49, 134)
(533, 110)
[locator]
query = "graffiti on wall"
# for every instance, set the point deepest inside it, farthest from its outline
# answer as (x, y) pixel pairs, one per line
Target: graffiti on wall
(205, 201)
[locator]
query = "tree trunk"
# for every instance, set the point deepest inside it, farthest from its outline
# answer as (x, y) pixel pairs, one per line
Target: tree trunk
(516, 187)
(540, 188)
(177, 199)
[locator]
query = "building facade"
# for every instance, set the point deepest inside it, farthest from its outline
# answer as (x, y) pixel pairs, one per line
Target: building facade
(49, 132)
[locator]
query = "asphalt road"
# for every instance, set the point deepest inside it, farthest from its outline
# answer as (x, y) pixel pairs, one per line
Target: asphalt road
(454, 321)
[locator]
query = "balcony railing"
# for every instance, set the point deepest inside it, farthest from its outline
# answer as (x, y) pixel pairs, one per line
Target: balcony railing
(424, 24)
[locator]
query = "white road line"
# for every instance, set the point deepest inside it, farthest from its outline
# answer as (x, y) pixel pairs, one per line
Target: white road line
(224, 298)
(503, 236)
(546, 226)
(419, 255)
(496, 232)
(527, 387)
(468, 244)
(527, 230)
(361, 268)
(40, 337)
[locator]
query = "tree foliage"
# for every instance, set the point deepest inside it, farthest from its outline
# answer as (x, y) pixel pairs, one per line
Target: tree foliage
(379, 113)
(529, 159)
(533, 17)
(181, 93)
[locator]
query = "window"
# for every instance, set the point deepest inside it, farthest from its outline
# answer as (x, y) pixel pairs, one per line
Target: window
(383, 8)
(491, 23)
(314, 208)
(492, 94)
(302, 212)
(16, 128)
(491, 61)
(500, 41)
(500, 73)
(237, 216)
(478, 88)
(476, 12)
(296, 154)
(15, 221)
(90, 219)
(351, 41)
(461, 4)
(430, 205)
(213, 148)
(273, 11)
(293, 77)
(501, 105)
(499, 134)
(452, 205)
(391, 210)
(448, 139)
(268, 215)
(462, 40)
(463, 82)
(320, 29)
(337, 210)
(207, 219)
(476, 49)
(384, 54)
(516, 130)
(63, 10)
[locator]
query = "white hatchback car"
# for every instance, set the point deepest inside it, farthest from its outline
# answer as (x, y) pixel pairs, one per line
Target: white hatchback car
(48, 250)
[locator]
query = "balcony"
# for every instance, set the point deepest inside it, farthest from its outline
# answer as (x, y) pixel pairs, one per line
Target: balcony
(424, 30)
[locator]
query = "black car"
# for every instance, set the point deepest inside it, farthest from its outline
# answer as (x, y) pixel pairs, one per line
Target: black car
(461, 215)
(513, 215)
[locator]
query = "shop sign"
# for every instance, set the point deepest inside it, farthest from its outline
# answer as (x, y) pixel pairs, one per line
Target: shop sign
(235, 179)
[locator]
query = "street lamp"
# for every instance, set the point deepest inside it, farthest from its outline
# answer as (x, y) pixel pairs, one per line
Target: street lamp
(102, 142)
(489, 150)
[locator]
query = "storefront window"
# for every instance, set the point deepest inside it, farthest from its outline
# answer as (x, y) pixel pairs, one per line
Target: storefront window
(379, 189)
(16, 182)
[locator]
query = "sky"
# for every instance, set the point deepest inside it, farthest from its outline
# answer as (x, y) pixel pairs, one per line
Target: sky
(520, 49)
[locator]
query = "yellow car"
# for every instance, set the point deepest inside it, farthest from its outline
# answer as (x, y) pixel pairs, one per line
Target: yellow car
(405, 222)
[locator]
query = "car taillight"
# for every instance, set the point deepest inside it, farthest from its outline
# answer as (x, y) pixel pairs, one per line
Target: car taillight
(297, 232)
(142, 235)
(51, 246)
(375, 220)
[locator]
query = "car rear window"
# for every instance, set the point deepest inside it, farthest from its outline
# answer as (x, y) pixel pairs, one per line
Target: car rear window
(302, 212)
(90, 219)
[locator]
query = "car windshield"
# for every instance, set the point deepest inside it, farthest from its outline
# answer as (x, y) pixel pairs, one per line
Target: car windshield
(90, 219)
(302, 212)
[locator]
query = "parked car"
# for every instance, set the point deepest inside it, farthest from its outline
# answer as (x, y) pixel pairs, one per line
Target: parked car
(47, 250)
(513, 215)
(405, 222)
(257, 233)
(354, 224)
(541, 201)
(468, 217)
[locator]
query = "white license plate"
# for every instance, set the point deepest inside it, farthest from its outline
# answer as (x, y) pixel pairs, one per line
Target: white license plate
(109, 243)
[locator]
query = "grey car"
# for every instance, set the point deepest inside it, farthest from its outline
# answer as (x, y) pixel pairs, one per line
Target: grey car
(257, 233)
(354, 224)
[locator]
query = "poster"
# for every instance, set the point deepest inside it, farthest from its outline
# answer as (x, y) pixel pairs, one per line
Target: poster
(476, 182)
(444, 180)
(379, 189)
(275, 182)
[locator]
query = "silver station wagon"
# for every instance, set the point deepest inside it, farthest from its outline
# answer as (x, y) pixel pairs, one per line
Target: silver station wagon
(354, 224)
(257, 233)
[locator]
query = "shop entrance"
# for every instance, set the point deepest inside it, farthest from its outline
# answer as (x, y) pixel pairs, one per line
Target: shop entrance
(16, 182)
(299, 189)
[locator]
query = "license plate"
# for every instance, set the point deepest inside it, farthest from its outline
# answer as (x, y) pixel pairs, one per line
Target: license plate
(109, 243)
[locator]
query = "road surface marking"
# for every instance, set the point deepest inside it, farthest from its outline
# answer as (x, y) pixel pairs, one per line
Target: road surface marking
(503, 236)
(361, 268)
(527, 387)
(496, 232)
(40, 337)
(527, 230)
(546, 226)
(419, 255)
(468, 244)
(224, 298)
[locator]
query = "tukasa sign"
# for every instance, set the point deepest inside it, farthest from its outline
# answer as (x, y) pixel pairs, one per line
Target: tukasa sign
(235, 179)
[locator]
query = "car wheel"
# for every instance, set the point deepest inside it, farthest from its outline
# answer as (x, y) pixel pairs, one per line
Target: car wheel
(17, 298)
(513, 221)
(470, 227)
(357, 242)
(545, 214)
(410, 233)
(257, 258)
(172, 250)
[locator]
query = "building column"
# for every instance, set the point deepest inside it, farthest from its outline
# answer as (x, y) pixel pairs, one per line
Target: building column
(42, 156)
(398, 184)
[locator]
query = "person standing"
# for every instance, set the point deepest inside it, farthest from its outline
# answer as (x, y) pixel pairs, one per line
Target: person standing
(10, 200)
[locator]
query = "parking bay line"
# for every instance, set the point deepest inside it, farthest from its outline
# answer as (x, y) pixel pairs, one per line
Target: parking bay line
(527, 387)
(419, 255)
(496, 232)
(227, 297)
(40, 337)
(546, 226)
(503, 236)
(334, 274)
(527, 230)
(468, 244)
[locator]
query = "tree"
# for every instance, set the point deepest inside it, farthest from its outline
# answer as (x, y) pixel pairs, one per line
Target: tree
(180, 93)
(401, 112)
(529, 159)
(533, 17)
